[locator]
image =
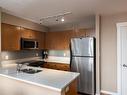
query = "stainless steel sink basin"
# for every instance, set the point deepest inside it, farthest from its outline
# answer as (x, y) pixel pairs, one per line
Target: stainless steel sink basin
(30, 71)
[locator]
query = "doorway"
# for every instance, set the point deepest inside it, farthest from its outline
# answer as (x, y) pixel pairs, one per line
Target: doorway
(122, 58)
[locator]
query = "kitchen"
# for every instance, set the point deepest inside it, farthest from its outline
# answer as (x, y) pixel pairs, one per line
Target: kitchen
(60, 50)
(58, 58)
(23, 47)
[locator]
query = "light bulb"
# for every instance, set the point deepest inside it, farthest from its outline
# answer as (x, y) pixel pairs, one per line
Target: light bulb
(62, 19)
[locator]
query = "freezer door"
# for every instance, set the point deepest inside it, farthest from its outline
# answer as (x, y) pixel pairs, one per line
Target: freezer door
(85, 66)
(82, 46)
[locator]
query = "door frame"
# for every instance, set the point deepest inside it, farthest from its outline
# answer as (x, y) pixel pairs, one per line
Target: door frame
(119, 59)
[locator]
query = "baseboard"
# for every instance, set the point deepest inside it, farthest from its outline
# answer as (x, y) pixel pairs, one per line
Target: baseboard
(109, 93)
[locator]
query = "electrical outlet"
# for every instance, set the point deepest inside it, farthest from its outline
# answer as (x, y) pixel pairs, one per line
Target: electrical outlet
(36, 54)
(64, 54)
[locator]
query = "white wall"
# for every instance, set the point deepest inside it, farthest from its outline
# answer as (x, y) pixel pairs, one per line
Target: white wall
(9, 19)
(109, 51)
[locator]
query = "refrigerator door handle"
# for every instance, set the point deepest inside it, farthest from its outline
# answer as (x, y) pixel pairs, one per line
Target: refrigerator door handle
(70, 56)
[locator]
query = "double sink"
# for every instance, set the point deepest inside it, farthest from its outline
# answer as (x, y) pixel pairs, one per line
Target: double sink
(32, 63)
(30, 71)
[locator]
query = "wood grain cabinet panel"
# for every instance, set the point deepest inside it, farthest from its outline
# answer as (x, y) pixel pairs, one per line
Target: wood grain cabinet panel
(40, 36)
(27, 33)
(10, 38)
(57, 66)
(60, 40)
(72, 88)
(57, 40)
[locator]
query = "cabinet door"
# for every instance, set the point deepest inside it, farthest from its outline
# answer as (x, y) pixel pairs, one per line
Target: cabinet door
(51, 40)
(27, 33)
(57, 40)
(41, 39)
(72, 88)
(10, 38)
(57, 66)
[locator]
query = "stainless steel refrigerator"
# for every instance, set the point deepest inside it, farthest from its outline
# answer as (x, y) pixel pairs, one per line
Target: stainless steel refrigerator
(83, 61)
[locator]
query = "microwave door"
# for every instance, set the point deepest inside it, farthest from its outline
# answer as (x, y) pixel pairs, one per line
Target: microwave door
(29, 44)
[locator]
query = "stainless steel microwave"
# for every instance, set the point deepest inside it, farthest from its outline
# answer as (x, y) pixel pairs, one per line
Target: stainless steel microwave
(28, 43)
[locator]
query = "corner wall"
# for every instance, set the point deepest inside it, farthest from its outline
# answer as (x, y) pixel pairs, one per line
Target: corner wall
(98, 55)
(109, 51)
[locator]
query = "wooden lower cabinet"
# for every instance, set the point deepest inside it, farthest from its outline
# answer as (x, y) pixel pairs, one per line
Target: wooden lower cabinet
(57, 66)
(72, 88)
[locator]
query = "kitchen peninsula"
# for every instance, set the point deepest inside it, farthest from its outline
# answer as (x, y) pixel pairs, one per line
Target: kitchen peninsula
(46, 82)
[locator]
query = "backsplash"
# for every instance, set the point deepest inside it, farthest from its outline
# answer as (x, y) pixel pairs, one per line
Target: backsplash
(13, 55)
(59, 53)
(59, 56)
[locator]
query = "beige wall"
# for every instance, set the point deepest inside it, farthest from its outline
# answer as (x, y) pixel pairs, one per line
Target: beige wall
(9, 19)
(109, 51)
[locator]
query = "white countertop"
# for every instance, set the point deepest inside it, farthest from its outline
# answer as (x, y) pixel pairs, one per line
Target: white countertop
(48, 78)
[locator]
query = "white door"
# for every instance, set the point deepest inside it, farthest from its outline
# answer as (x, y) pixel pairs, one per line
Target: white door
(123, 65)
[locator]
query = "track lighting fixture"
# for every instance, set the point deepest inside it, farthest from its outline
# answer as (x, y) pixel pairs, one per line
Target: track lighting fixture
(57, 17)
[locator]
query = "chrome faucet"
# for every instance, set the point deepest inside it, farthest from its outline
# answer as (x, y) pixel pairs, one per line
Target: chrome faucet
(20, 65)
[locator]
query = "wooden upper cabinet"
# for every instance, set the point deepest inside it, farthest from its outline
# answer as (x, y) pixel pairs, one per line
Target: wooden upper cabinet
(40, 36)
(27, 33)
(56, 40)
(10, 38)
(61, 40)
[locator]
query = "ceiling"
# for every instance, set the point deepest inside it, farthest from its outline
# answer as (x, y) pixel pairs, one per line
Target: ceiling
(34, 10)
